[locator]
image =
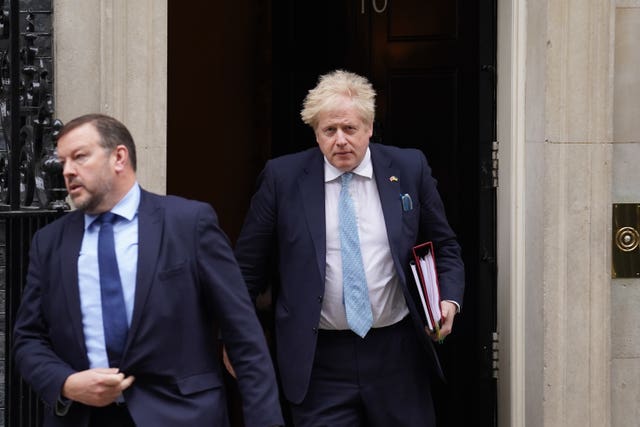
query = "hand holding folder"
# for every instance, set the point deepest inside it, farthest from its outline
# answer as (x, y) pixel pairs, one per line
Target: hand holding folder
(423, 267)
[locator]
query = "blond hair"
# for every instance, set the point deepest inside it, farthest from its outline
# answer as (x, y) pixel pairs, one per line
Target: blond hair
(332, 88)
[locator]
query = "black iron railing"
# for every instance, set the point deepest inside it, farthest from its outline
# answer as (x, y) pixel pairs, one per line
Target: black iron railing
(32, 192)
(29, 173)
(22, 408)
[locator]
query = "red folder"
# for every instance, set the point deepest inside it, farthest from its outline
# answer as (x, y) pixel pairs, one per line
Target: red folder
(423, 267)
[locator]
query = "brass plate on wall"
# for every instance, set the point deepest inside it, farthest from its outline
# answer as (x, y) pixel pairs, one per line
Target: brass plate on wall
(625, 240)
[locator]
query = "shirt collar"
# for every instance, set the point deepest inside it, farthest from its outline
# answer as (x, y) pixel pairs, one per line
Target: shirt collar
(364, 169)
(127, 207)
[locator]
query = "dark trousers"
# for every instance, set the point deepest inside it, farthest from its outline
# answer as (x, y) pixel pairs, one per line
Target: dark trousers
(380, 380)
(114, 415)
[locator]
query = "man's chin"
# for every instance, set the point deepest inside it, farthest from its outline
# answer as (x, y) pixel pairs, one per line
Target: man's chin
(81, 203)
(344, 165)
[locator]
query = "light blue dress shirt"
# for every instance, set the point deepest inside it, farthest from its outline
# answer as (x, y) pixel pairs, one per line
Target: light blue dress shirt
(125, 232)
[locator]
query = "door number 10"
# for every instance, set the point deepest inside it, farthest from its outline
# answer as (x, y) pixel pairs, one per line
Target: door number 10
(374, 3)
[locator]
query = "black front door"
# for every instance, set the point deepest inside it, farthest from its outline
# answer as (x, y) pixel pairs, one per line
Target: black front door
(432, 63)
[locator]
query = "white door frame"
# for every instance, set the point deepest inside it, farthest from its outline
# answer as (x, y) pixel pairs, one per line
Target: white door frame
(511, 46)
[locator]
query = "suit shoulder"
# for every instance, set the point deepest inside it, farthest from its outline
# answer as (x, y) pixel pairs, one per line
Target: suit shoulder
(295, 160)
(51, 235)
(392, 150)
(286, 170)
(404, 156)
(58, 224)
(178, 206)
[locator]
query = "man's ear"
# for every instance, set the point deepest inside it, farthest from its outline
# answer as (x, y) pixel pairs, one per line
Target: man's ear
(121, 157)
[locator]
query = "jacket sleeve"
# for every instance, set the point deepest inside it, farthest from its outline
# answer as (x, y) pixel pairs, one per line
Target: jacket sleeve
(255, 247)
(34, 356)
(245, 343)
(435, 227)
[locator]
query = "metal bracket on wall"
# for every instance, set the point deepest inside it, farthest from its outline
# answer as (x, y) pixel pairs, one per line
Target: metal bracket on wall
(625, 240)
(495, 164)
(495, 354)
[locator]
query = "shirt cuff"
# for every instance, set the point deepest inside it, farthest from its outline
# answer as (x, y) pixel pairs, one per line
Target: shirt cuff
(456, 304)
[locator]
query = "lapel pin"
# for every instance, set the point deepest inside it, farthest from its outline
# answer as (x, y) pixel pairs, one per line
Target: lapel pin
(393, 178)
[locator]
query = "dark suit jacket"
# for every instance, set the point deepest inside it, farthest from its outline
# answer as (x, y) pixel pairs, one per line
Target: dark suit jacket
(287, 216)
(187, 282)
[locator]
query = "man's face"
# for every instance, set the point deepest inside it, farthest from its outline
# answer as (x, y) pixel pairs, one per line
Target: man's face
(88, 169)
(342, 136)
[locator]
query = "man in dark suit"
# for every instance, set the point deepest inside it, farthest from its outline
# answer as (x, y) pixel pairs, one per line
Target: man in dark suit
(149, 357)
(352, 349)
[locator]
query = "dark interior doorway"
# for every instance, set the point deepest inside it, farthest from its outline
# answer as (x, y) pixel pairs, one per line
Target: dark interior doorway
(237, 77)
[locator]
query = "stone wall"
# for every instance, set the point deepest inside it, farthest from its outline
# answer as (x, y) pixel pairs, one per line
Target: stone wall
(568, 143)
(625, 293)
(116, 52)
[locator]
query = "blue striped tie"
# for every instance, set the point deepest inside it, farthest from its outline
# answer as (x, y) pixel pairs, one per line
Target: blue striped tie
(355, 290)
(114, 315)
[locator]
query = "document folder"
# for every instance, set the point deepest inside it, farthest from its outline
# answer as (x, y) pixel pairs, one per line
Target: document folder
(425, 275)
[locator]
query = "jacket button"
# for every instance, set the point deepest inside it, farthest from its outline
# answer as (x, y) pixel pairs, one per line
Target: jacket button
(320, 298)
(315, 330)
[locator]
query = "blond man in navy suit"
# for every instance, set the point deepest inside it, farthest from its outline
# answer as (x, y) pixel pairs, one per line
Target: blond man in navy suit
(332, 376)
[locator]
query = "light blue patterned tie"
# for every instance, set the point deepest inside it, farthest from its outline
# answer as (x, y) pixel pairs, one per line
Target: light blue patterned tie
(355, 291)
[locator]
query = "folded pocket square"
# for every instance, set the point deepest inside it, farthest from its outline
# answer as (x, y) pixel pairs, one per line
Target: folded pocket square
(407, 203)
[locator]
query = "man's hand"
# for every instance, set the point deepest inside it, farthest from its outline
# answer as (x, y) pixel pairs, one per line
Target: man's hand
(96, 387)
(448, 310)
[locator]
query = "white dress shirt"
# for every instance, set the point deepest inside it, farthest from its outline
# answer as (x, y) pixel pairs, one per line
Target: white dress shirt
(387, 301)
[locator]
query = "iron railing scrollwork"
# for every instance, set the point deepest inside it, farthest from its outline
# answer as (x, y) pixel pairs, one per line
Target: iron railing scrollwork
(30, 175)
(32, 192)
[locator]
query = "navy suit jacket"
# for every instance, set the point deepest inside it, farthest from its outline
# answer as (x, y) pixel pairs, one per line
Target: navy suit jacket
(287, 219)
(187, 282)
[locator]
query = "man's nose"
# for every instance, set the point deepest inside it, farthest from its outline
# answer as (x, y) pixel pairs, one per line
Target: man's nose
(67, 169)
(340, 137)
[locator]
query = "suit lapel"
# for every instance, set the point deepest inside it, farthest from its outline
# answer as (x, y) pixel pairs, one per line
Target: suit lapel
(150, 227)
(311, 181)
(389, 191)
(70, 251)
